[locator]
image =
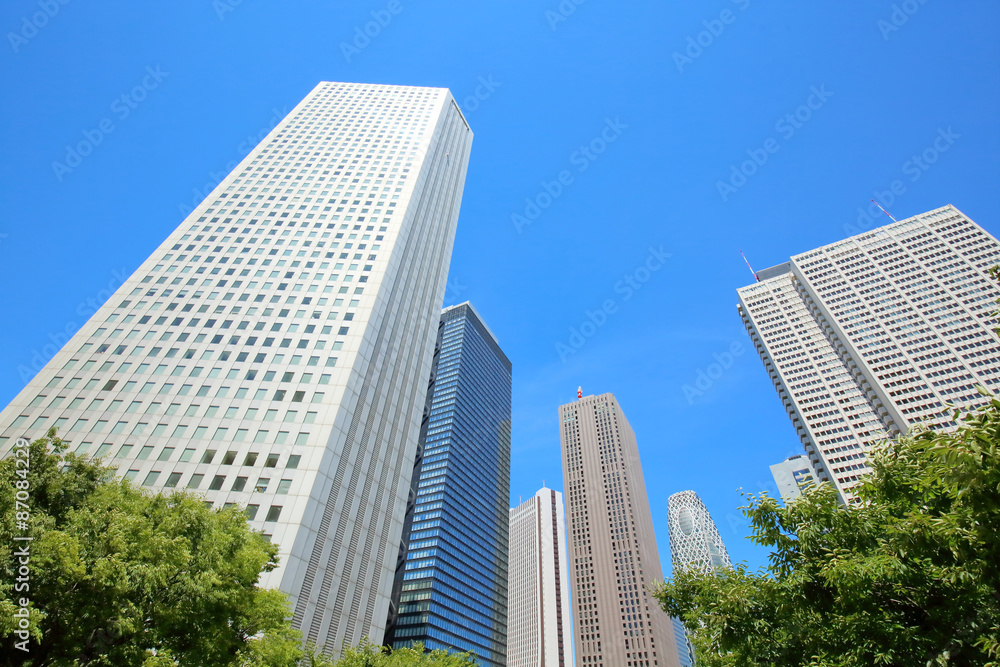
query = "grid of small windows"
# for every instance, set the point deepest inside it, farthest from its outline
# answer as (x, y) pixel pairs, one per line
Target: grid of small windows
(586, 626)
(524, 587)
(560, 599)
(220, 354)
(901, 313)
(606, 625)
(915, 304)
(245, 335)
(835, 420)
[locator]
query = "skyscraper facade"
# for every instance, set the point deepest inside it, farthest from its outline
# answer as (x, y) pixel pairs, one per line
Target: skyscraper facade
(273, 352)
(793, 476)
(452, 580)
(695, 543)
(613, 555)
(684, 645)
(882, 331)
(538, 628)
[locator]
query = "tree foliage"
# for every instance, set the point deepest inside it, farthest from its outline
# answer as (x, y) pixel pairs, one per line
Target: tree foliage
(370, 655)
(909, 575)
(119, 576)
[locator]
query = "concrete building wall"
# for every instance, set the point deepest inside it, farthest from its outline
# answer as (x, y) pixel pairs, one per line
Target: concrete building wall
(538, 625)
(613, 553)
(869, 336)
(274, 351)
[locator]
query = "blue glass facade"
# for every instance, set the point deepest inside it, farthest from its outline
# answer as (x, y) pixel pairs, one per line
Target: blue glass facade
(685, 651)
(451, 580)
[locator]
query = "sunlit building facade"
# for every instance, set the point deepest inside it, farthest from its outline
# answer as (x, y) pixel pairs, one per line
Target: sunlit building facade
(538, 612)
(613, 557)
(793, 476)
(870, 336)
(695, 543)
(273, 352)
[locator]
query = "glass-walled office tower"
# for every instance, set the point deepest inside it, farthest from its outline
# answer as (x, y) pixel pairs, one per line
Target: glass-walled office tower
(452, 579)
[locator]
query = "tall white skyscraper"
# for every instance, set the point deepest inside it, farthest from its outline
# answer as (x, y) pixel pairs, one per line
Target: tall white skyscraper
(871, 335)
(275, 350)
(538, 616)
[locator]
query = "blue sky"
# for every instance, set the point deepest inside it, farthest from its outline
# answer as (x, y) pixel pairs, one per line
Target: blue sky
(641, 110)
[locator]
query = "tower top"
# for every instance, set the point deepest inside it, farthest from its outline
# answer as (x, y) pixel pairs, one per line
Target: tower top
(579, 392)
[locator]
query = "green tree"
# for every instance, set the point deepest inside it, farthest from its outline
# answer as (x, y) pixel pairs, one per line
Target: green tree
(369, 655)
(120, 576)
(276, 650)
(909, 575)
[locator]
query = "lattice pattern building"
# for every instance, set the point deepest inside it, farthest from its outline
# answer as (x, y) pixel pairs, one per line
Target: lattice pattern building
(695, 543)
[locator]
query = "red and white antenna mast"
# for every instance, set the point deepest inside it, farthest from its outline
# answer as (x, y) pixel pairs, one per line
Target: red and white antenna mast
(884, 211)
(750, 267)
(579, 393)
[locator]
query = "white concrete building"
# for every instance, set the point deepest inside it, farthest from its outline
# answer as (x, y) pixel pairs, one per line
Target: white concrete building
(793, 476)
(538, 616)
(274, 351)
(882, 331)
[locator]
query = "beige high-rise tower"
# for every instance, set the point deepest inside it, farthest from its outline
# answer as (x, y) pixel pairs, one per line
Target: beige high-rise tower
(613, 557)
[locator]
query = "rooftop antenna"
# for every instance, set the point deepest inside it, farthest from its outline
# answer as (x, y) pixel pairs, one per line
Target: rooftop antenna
(884, 211)
(579, 393)
(750, 267)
